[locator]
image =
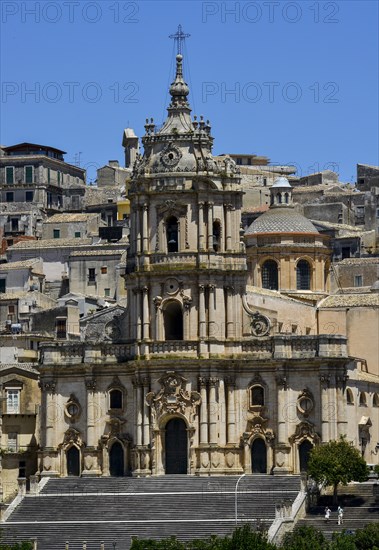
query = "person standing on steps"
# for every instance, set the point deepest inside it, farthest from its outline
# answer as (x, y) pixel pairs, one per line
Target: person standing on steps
(327, 513)
(340, 515)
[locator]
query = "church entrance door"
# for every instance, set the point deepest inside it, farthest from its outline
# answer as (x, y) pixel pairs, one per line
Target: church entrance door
(304, 449)
(176, 447)
(259, 457)
(116, 460)
(73, 462)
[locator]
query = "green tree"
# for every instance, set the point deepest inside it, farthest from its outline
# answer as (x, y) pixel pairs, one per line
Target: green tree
(17, 546)
(336, 462)
(304, 538)
(342, 541)
(367, 538)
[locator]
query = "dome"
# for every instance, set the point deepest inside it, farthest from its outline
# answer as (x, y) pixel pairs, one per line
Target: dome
(281, 220)
(282, 182)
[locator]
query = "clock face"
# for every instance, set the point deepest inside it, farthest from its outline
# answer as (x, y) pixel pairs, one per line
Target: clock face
(170, 156)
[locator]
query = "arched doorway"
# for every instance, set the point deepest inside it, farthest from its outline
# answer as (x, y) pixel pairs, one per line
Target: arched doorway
(173, 321)
(304, 449)
(176, 447)
(116, 460)
(73, 461)
(259, 457)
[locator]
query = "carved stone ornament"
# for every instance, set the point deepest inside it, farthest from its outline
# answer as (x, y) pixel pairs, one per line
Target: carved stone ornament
(72, 409)
(113, 330)
(305, 430)
(260, 324)
(173, 397)
(170, 156)
(305, 403)
(72, 437)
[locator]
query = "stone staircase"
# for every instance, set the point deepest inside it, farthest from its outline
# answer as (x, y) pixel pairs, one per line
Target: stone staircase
(115, 509)
(358, 502)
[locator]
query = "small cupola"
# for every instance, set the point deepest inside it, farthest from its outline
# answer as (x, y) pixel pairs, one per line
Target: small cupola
(281, 193)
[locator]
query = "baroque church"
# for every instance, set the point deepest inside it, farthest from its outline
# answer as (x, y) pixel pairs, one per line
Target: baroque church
(219, 364)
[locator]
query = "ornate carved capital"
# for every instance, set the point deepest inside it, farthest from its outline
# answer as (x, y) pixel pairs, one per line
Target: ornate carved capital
(91, 384)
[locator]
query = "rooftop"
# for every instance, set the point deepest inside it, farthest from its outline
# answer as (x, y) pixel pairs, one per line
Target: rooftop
(350, 300)
(281, 220)
(23, 264)
(69, 218)
(50, 243)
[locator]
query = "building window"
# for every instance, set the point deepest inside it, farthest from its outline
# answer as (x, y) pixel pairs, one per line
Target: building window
(9, 174)
(3, 285)
(362, 399)
(115, 399)
(91, 275)
(104, 269)
(13, 442)
(56, 233)
(14, 224)
(257, 396)
(358, 280)
(48, 175)
(216, 235)
(22, 468)
(9, 197)
(239, 161)
(303, 275)
(61, 326)
(13, 401)
(107, 292)
(361, 181)
(77, 234)
(59, 177)
(29, 195)
(11, 310)
(28, 171)
(375, 400)
(349, 397)
(345, 252)
(265, 182)
(172, 233)
(270, 278)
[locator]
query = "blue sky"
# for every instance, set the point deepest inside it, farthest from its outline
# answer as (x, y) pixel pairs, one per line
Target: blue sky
(296, 81)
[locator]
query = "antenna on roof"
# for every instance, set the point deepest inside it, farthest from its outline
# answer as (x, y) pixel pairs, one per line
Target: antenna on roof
(77, 158)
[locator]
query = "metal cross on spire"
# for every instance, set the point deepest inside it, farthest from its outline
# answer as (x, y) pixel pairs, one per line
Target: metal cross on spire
(179, 38)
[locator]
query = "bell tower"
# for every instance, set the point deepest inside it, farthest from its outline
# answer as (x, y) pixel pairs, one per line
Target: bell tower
(186, 270)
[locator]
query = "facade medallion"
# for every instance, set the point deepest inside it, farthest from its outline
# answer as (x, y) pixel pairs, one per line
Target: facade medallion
(260, 324)
(170, 156)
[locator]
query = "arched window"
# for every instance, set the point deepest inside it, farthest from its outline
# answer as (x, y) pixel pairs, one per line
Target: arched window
(375, 400)
(279, 198)
(173, 321)
(349, 397)
(362, 399)
(115, 399)
(257, 394)
(286, 196)
(303, 275)
(216, 236)
(270, 275)
(172, 234)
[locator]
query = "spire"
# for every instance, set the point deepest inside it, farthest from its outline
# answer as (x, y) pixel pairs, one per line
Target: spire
(179, 89)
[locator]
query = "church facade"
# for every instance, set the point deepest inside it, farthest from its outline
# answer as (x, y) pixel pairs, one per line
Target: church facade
(196, 376)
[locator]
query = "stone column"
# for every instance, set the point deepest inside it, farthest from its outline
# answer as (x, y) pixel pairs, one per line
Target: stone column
(203, 411)
(146, 316)
(145, 234)
(231, 412)
(146, 413)
(158, 318)
(139, 403)
(324, 388)
(138, 230)
(228, 227)
(202, 313)
(212, 328)
(341, 408)
(213, 406)
(282, 409)
(222, 415)
(137, 294)
(50, 413)
(230, 331)
(91, 386)
(201, 227)
(210, 226)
